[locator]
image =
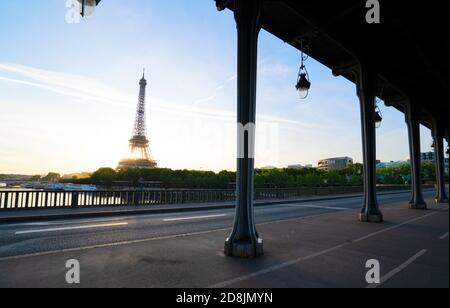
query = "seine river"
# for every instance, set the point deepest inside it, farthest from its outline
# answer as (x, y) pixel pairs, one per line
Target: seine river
(16, 188)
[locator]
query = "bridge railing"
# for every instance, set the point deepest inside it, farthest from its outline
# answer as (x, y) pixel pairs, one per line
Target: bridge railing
(18, 200)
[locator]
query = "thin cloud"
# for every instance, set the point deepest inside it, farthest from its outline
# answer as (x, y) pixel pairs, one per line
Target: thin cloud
(264, 70)
(75, 86)
(217, 90)
(276, 70)
(82, 97)
(234, 77)
(91, 90)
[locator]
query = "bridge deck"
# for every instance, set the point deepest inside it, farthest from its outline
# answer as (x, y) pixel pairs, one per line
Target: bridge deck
(328, 250)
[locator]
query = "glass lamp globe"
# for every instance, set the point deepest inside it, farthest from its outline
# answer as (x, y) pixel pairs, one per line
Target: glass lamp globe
(89, 6)
(303, 86)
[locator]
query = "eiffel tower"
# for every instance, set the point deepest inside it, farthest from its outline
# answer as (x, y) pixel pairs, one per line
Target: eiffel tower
(139, 144)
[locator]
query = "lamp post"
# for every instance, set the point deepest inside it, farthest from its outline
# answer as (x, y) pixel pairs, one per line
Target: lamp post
(86, 7)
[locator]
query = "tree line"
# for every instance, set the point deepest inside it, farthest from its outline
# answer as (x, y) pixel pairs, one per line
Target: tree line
(264, 178)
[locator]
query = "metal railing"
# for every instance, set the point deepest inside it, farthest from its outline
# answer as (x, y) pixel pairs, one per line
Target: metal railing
(18, 200)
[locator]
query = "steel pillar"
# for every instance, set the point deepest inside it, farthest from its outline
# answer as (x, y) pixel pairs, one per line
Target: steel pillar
(244, 240)
(413, 122)
(438, 135)
(366, 93)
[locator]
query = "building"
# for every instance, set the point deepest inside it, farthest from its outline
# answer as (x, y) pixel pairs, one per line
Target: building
(336, 163)
(428, 156)
(431, 157)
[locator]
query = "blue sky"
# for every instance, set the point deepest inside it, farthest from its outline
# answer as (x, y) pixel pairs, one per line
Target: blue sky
(68, 92)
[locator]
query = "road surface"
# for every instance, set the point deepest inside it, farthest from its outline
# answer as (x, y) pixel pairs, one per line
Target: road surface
(31, 238)
(316, 244)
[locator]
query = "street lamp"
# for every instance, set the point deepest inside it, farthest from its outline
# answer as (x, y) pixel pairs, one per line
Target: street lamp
(303, 84)
(86, 7)
(378, 117)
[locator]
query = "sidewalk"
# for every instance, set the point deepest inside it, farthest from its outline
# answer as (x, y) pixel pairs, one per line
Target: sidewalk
(93, 212)
(328, 250)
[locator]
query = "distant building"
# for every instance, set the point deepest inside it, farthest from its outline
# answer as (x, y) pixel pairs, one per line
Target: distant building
(431, 157)
(268, 168)
(336, 163)
(299, 166)
(427, 156)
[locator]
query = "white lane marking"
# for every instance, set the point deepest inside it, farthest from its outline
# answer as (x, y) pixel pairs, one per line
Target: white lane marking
(194, 217)
(71, 228)
(399, 269)
(443, 237)
(320, 207)
(62, 223)
(39, 254)
(393, 227)
(295, 261)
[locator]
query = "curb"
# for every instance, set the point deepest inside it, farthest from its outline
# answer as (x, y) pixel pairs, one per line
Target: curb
(15, 219)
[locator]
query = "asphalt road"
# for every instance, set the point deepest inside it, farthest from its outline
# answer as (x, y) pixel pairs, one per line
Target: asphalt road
(35, 238)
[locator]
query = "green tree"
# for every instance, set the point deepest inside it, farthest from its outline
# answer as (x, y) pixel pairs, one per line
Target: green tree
(133, 175)
(104, 176)
(35, 178)
(52, 177)
(429, 171)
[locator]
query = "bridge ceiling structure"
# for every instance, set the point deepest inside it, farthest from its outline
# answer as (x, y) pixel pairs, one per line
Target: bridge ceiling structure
(408, 49)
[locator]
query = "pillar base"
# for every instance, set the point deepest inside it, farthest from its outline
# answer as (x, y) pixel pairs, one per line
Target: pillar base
(418, 206)
(441, 200)
(244, 249)
(378, 218)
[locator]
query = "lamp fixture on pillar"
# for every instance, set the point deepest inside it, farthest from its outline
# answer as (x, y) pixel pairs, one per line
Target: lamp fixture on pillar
(378, 116)
(303, 84)
(86, 7)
